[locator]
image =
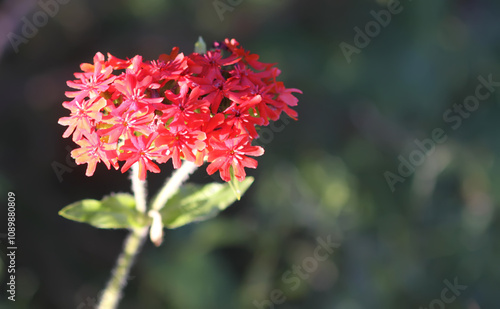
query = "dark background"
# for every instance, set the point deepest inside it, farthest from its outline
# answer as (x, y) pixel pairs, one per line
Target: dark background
(322, 175)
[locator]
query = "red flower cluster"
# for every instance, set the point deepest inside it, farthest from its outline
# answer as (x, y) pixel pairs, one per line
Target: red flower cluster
(201, 107)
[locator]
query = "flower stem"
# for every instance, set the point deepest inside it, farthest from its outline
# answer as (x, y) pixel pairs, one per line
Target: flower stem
(173, 184)
(139, 188)
(132, 245)
(113, 291)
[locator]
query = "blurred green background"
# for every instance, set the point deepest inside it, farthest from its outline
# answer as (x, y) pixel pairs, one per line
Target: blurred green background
(321, 177)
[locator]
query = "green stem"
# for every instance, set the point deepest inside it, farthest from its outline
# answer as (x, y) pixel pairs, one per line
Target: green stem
(139, 188)
(173, 184)
(132, 245)
(112, 294)
(113, 291)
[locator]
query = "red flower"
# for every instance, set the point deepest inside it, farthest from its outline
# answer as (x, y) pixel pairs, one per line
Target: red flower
(125, 124)
(249, 58)
(140, 149)
(84, 114)
(211, 62)
(91, 84)
(215, 88)
(134, 96)
(181, 143)
(285, 95)
(116, 63)
(169, 66)
(92, 150)
(243, 120)
(186, 110)
(232, 153)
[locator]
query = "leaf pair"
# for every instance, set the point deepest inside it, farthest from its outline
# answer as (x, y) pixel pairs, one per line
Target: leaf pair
(190, 204)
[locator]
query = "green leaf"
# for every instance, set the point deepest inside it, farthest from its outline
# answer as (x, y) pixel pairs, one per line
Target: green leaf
(199, 202)
(200, 46)
(116, 211)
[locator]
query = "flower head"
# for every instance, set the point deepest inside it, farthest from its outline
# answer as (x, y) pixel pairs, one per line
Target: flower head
(199, 108)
